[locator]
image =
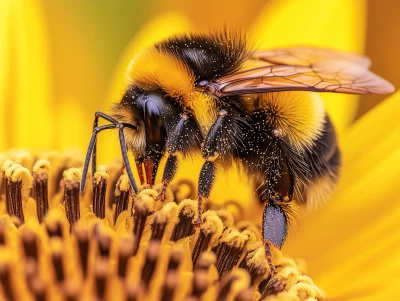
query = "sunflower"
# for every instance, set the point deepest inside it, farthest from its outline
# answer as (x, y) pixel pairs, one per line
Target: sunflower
(345, 243)
(117, 245)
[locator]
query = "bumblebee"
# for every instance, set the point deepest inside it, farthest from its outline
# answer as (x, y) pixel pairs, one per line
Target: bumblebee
(211, 94)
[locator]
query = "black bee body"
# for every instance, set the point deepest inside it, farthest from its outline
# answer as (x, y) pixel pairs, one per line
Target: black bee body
(239, 132)
(209, 93)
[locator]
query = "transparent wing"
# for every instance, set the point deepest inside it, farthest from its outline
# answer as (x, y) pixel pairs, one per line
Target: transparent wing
(307, 56)
(323, 76)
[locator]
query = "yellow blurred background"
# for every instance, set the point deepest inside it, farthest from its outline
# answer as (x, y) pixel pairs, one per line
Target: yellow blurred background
(58, 59)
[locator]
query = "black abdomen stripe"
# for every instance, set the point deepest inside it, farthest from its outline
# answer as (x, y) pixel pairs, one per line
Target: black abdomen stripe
(324, 155)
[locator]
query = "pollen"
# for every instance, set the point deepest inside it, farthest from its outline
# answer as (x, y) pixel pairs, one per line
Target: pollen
(109, 243)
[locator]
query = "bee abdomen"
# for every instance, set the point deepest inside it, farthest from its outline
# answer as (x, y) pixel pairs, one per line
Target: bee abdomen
(324, 161)
(324, 156)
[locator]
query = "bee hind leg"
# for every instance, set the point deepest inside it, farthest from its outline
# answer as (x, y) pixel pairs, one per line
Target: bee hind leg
(274, 230)
(278, 188)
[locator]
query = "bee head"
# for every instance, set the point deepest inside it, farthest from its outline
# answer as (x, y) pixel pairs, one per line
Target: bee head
(153, 117)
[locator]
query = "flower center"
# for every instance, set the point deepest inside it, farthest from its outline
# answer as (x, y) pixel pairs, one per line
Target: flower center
(109, 244)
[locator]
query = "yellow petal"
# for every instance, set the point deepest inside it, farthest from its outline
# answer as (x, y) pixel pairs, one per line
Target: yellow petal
(350, 236)
(332, 24)
(351, 243)
(5, 68)
(376, 126)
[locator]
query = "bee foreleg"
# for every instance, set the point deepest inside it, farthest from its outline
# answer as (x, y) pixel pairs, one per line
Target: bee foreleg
(91, 151)
(97, 115)
(170, 170)
(222, 138)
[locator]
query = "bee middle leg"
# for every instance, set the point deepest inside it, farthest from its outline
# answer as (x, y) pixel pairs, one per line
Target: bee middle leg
(223, 139)
(184, 138)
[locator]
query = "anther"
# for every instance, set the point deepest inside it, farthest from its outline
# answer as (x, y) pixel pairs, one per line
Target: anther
(101, 270)
(230, 249)
(256, 265)
(206, 260)
(72, 290)
(200, 284)
(158, 226)
(31, 271)
(3, 234)
(209, 232)
(122, 193)
(29, 242)
(132, 291)
(57, 259)
(244, 295)
(39, 289)
(54, 228)
(169, 286)
(125, 251)
(40, 187)
(226, 286)
(18, 185)
(100, 180)
(72, 179)
(153, 252)
(104, 245)
(5, 280)
(184, 227)
(140, 216)
(175, 259)
(82, 236)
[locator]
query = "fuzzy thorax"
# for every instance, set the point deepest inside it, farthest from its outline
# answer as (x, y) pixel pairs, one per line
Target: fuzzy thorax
(153, 70)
